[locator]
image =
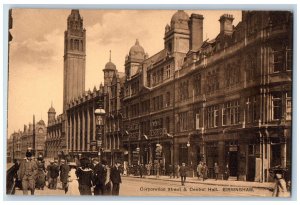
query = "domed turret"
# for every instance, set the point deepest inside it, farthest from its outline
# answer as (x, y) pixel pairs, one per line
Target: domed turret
(180, 20)
(51, 110)
(110, 66)
(51, 114)
(109, 70)
(41, 122)
(137, 51)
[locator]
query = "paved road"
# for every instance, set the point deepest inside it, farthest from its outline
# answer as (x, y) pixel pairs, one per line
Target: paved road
(150, 187)
(155, 187)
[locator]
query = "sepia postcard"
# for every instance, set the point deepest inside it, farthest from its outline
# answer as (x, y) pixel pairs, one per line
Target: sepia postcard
(149, 102)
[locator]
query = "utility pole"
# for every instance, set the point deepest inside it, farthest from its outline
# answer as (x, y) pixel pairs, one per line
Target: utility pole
(33, 136)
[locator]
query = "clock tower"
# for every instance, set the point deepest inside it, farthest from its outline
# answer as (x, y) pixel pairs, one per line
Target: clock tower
(74, 58)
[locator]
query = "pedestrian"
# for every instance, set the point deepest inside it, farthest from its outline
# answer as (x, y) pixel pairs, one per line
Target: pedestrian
(64, 175)
(199, 170)
(177, 170)
(115, 177)
(54, 173)
(216, 171)
(141, 170)
(27, 174)
(204, 171)
(280, 189)
(85, 177)
(100, 174)
(48, 177)
(170, 170)
(107, 183)
(95, 161)
(157, 169)
(148, 167)
(226, 172)
(41, 173)
(183, 171)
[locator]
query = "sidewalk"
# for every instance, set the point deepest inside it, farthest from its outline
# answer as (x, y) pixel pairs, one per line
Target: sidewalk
(233, 183)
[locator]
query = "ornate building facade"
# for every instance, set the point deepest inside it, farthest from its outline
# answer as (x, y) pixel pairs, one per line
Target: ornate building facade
(225, 100)
(54, 134)
(73, 133)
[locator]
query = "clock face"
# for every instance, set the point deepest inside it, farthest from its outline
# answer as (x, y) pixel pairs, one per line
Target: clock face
(40, 130)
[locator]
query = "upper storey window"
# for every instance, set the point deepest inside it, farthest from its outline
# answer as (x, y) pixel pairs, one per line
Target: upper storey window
(282, 59)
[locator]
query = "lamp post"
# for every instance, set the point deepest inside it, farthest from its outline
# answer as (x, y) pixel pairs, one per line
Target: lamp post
(188, 148)
(138, 152)
(99, 114)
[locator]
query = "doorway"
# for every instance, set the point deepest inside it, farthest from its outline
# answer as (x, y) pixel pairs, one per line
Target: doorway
(233, 163)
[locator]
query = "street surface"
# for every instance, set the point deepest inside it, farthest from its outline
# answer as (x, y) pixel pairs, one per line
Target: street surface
(156, 187)
(134, 186)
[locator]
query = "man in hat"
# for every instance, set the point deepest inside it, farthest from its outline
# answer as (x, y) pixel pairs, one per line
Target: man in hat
(115, 177)
(183, 171)
(54, 173)
(100, 172)
(85, 177)
(64, 174)
(27, 174)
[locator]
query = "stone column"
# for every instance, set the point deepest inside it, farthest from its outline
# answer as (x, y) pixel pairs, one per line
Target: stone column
(84, 145)
(78, 130)
(74, 131)
(88, 128)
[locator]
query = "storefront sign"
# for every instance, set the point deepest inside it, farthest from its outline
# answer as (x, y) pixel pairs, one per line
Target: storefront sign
(233, 149)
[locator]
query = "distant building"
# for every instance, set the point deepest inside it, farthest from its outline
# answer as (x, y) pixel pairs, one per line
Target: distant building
(19, 142)
(54, 134)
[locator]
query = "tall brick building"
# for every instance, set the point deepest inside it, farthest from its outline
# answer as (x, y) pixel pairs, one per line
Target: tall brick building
(224, 100)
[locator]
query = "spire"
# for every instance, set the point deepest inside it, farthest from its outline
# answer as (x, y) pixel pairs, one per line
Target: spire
(109, 55)
(137, 42)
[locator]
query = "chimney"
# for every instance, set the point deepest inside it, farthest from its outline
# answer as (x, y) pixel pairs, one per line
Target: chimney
(226, 24)
(196, 31)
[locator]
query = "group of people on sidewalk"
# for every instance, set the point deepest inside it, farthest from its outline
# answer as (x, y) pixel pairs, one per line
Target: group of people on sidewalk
(32, 174)
(99, 176)
(202, 171)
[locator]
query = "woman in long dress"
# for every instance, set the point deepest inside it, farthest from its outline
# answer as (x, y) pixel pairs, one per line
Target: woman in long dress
(280, 189)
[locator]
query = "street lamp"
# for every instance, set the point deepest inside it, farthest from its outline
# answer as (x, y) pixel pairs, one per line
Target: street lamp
(138, 151)
(99, 114)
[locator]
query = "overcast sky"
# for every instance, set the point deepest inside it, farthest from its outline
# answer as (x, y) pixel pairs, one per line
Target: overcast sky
(36, 51)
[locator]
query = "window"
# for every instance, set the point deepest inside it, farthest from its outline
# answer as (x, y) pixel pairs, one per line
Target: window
(184, 90)
(183, 121)
(168, 71)
(224, 114)
(282, 59)
(289, 59)
(168, 99)
(231, 113)
(288, 106)
(278, 61)
(254, 111)
(212, 116)
(276, 106)
(197, 85)
(168, 124)
(212, 82)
